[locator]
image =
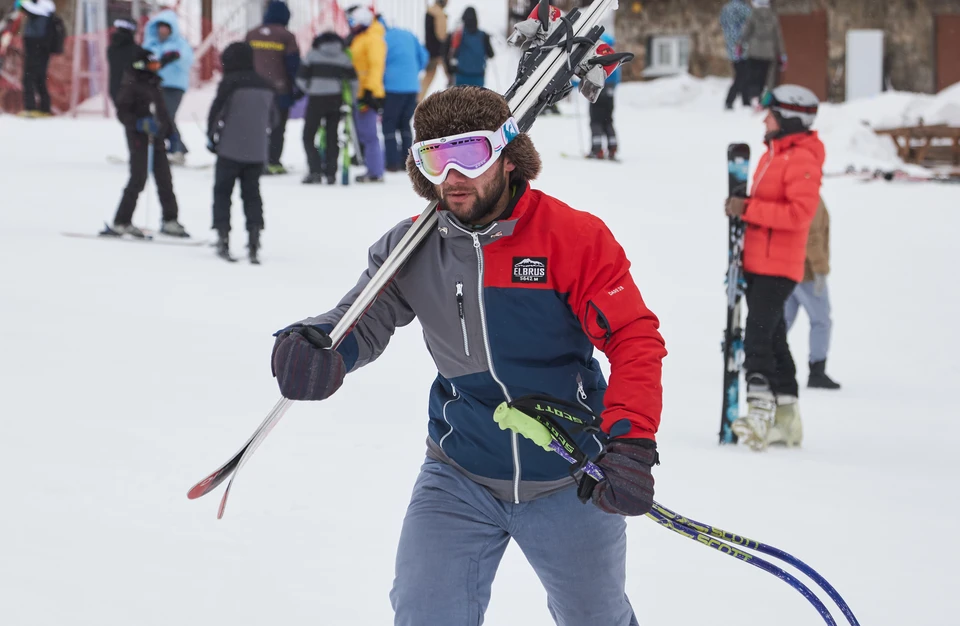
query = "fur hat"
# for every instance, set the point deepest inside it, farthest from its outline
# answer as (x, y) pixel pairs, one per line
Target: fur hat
(463, 109)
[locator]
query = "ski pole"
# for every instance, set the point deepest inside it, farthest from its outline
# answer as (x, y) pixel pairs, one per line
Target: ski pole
(518, 421)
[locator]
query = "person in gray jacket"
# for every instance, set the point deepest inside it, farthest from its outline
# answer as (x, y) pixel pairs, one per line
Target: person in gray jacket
(761, 45)
(238, 132)
(323, 76)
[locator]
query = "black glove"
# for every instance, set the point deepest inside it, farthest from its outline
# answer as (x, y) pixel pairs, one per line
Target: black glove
(304, 364)
(169, 57)
(628, 488)
(367, 100)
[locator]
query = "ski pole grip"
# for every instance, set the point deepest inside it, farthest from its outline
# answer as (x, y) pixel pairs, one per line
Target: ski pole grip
(316, 337)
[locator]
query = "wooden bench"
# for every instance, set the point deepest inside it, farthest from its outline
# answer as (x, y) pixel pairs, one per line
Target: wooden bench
(915, 144)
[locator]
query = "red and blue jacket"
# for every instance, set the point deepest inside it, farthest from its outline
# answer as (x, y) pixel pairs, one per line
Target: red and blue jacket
(516, 308)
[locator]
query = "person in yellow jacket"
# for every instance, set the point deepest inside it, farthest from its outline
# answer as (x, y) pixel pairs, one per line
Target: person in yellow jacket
(368, 49)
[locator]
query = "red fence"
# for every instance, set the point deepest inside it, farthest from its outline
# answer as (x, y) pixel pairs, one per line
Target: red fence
(230, 24)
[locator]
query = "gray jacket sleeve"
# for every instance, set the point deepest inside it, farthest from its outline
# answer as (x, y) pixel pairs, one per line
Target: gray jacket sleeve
(370, 336)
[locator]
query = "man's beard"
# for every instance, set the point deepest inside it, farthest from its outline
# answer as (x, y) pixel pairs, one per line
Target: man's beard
(486, 199)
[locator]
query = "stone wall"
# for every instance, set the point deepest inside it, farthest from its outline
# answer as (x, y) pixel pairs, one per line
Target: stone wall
(908, 25)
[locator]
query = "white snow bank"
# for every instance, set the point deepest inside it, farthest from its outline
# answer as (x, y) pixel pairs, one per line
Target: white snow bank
(846, 129)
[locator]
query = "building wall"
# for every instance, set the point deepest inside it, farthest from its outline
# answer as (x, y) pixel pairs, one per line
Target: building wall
(908, 27)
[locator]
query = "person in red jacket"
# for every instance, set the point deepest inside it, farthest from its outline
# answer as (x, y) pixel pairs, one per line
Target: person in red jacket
(778, 213)
(514, 290)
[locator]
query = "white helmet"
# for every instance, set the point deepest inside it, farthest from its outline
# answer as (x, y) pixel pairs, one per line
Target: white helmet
(792, 102)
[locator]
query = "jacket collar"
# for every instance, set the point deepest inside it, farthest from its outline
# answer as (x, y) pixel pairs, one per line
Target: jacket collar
(788, 141)
(449, 226)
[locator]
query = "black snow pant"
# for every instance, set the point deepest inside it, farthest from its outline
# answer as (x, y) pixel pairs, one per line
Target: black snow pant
(740, 84)
(601, 123)
(765, 345)
(322, 111)
(138, 146)
(35, 62)
(276, 135)
(757, 70)
(227, 173)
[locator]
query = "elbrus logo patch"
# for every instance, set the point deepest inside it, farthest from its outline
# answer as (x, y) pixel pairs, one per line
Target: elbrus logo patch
(529, 269)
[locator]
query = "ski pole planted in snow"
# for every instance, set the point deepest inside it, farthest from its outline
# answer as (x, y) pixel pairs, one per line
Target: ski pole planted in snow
(542, 428)
(556, 49)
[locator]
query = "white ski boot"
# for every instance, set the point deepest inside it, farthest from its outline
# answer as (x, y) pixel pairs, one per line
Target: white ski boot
(787, 429)
(751, 429)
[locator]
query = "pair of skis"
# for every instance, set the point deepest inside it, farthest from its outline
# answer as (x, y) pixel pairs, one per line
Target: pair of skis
(556, 49)
(350, 151)
(738, 170)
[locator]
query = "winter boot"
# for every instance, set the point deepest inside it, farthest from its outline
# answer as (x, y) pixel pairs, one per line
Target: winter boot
(274, 169)
(177, 158)
(253, 245)
(818, 377)
(596, 153)
(173, 228)
(787, 428)
(312, 179)
(223, 245)
(331, 180)
(367, 178)
(612, 153)
(752, 428)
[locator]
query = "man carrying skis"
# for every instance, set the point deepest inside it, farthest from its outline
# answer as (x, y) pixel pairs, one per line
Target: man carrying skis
(778, 213)
(514, 290)
(141, 110)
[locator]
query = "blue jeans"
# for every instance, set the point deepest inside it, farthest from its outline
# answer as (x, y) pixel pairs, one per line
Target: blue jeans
(397, 112)
(370, 142)
(818, 309)
(455, 533)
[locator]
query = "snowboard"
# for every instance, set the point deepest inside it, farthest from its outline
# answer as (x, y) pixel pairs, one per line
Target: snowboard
(738, 171)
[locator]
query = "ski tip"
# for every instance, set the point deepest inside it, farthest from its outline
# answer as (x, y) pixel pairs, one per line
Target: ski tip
(223, 503)
(200, 489)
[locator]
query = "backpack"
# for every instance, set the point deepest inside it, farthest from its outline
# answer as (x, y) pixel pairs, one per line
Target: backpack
(57, 32)
(471, 54)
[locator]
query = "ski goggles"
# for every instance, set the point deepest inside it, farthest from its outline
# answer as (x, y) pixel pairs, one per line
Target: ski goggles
(769, 101)
(471, 153)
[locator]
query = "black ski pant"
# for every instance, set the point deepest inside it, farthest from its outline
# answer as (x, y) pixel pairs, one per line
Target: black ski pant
(765, 345)
(322, 111)
(740, 85)
(227, 173)
(138, 144)
(35, 62)
(757, 71)
(601, 123)
(276, 134)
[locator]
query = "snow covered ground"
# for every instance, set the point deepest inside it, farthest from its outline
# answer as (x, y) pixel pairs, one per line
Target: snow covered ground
(129, 371)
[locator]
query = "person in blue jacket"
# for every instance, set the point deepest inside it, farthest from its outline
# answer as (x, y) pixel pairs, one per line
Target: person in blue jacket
(601, 115)
(162, 37)
(406, 58)
(469, 50)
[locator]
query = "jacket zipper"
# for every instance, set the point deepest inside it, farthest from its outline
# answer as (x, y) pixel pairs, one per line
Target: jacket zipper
(514, 444)
(455, 397)
(582, 399)
(463, 321)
